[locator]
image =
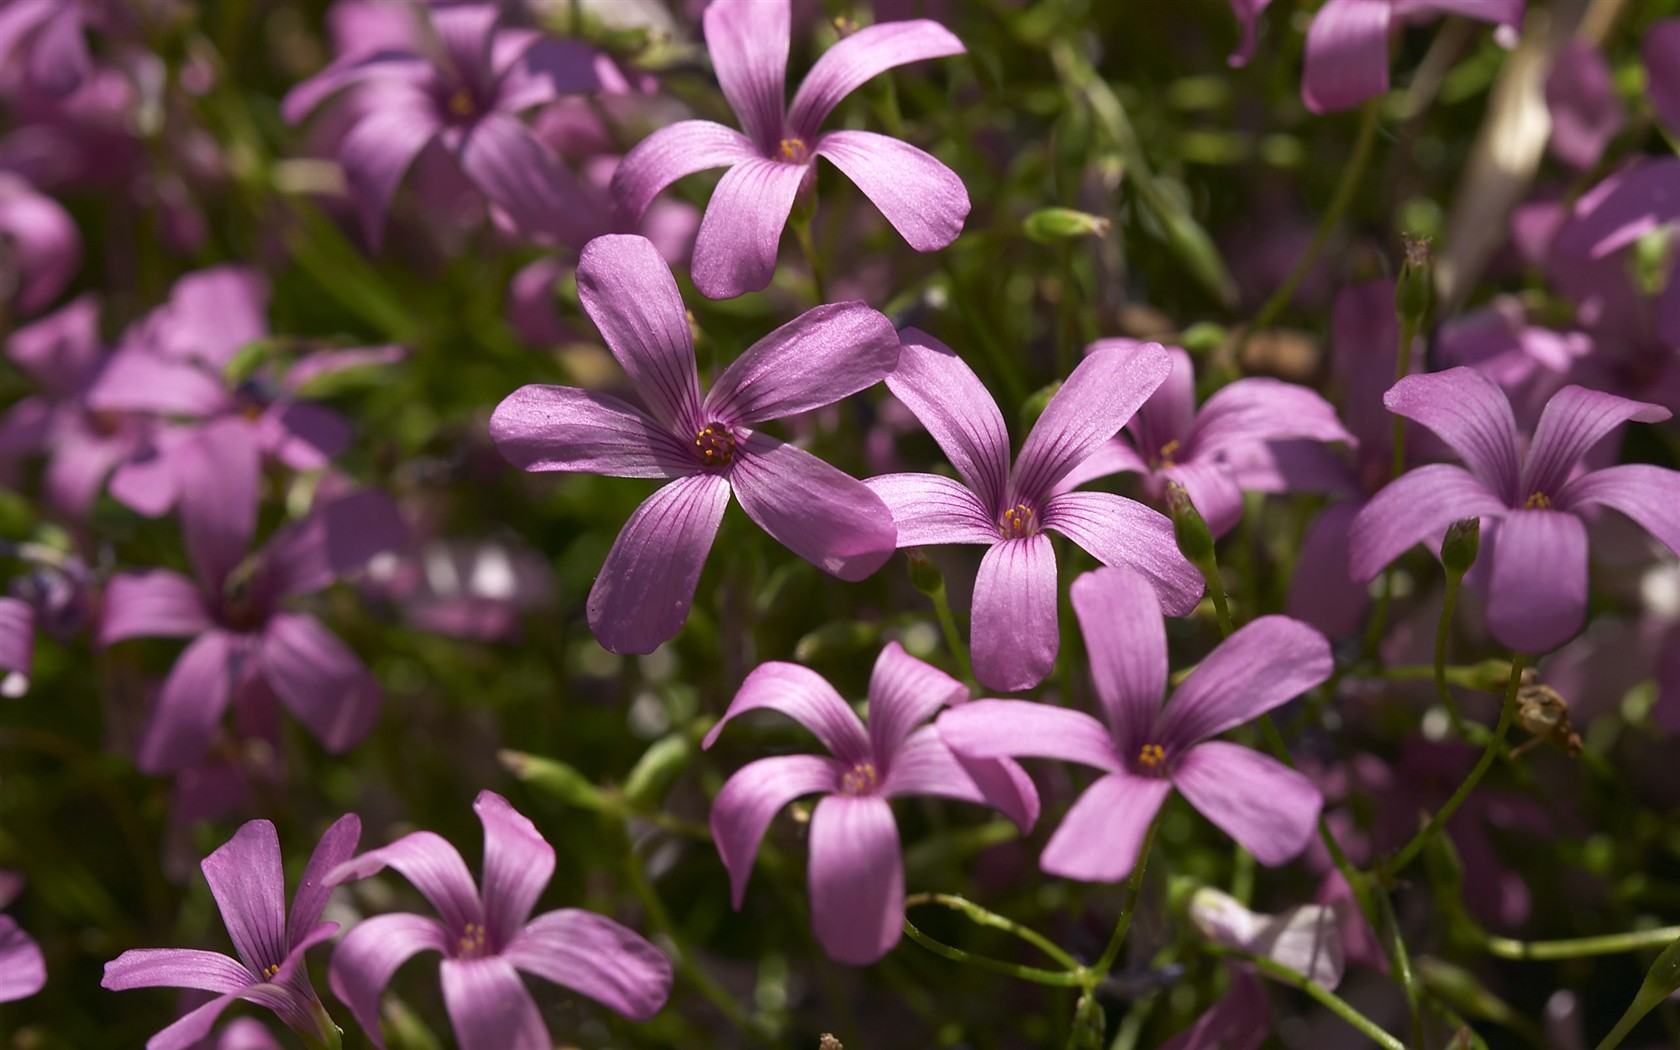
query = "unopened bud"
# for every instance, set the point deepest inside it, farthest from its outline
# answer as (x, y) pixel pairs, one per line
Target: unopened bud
(1190, 529)
(553, 778)
(1048, 225)
(924, 574)
(1090, 1024)
(659, 766)
(1463, 542)
(1461, 989)
(1415, 290)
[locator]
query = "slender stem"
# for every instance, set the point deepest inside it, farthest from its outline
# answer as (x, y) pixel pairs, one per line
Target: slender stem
(1133, 888)
(1379, 616)
(1403, 971)
(1442, 631)
(984, 917)
(1324, 996)
(1506, 716)
(807, 245)
(1221, 609)
(1054, 978)
(1581, 947)
(1635, 1013)
(953, 637)
(1408, 335)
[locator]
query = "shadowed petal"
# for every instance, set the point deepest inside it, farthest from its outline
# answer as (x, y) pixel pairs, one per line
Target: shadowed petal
(1013, 626)
(1323, 594)
(302, 434)
(1101, 395)
(822, 514)
(748, 41)
(1114, 456)
(926, 765)
(1027, 729)
(856, 877)
(1466, 410)
(1213, 491)
(1346, 59)
(924, 200)
(1573, 421)
(627, 289)
(594, 956)
(42, 240)
(23, 971)
(1622, 209)
(904, 692)
(333, 539)
(377, 152)
(174, 968)
(319, 680)
(1248, 16)
(1661, 52)
(1126, 639)
(1260, 409)
(806, 697)
(1099, 839)
(151, 603)
(1649, 495)
(1266, 663)
(1414, 508)
(520, 175)
(363, 963)
(17, 646)
(646, 585)
(929, 509)
(219, 475)
(669, 154)
(735, 250)
(1236, 1022)
(190, 703)
(1267, 807)
(1122, 532)
(750, 799)
(337, 845)
(1537, 592)
(1586, 111)
(489, 1007)
(815, 359)
(249, 884)
(465, 31)
(857, 58)
(563, 428)
(518, 862)
(432, 865)
(947, 398)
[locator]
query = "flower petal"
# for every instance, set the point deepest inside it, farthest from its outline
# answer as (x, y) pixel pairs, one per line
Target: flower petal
(337, 845)
(563, 428)
(1573, 421)
(465, 31)
(518, 863)
(399, 67)
(1465, 409)
(1213, 490)
(23, 971)
(1126, 640)
(489, 1006)
(1649, 495)
(17, 645)
(1122, 532)
(1323, 594)
(335, 538)
(597, 957)
(1585, 109)
(378, 151)
(670, 153)
(822, 514)
(219, 475)
(925, 201)
(302, 434)
(925, 765)
(1661, 52)
(1537, 591)
(748, 42)
(735, 250)
(1259, 409)
(1248, 14)
(432, 865)
(1099, 839)
(858, 58)
(1101, 395)
(806, 697)
(1415, 507)
(945, 395)
(43, 242)
(249, 884)
(1620, 210)
(627, 289)
(928, 509)
(856, 875)
(647, 583)
(319, 680)
(151, 603)
(1028, 729)
(1236, 1022)
(1346, 59)
(191, 702)
(373, 950)
(1267, 807)
(521, 175)
(815, 359)
(1012, 629)
(175, 968)
(1114, 456)
(1266, 663)
(904, 692)
(752, 797)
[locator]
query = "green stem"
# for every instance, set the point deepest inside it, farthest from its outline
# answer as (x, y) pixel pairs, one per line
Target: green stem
(1324, 996)
(1133, 887)
(1221, 608)
(1053, 978)
(953, 637)
(1442, 631)
(1581, 947)
(984, 917)
(1408, 335)
(1506, 716)
(1635, 1013)
(807, 245)
(1402, 967)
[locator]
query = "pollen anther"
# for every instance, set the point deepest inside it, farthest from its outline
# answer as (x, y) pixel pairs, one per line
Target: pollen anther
(471, 942)
(1152, 755)
(1017, 522)
(861, 779)
(271, 970)
(793, 150)
(1167, 452)
(715, 444)
(1538, 501)
(461, 103)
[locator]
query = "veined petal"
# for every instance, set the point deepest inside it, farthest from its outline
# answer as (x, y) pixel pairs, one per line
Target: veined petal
(928, 509)
(1537, 592)
(750, 799)
(822, 514)
(815, 359)
(925, 765)
(518, 863)
(151, 603)
(1114, 456)
(806, 697)
(1170, 411)
(1126, 640)
(1260, 409)
(594, 956)
(1346, 59)
(748, 41)
(947, 398)
(1267, 807)
(219, 475)
(465, 31)
(628, 291)
(432, 865)
(1099, 839)
(489, 1006)
(373, 950)
(925, 201)
(857, 878)
(858, 58)
(904, 692)
(1028, 729)
(191, 702)
(541, 427)
(23, 971)
(1101, 395)
(1267, 662)
(337, 845)
(1012, 629)
(1415, 507)
(1573, 421)
(520, 175)
(735, 250)
(669, 154)
(1649, 495)
(1465, 409)
(249, 884)
(378, 151)
(175, 968)
(1119, 531)
(320, 680)
(642, 595)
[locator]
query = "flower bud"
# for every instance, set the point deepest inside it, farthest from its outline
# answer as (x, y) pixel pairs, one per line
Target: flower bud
(1090, 1024)
(1415, 290)
(924, 574)
(1190, 529)
(1463, 542)
(1048, 225)
(553, 778)
(659, 766)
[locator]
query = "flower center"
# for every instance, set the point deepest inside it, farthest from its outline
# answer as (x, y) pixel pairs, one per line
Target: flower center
(1164, 458)
(1017, 522)
(861, 779)
(471, 944)
(1538, 501)
(715, 445)
(461, 103)
(1151, 757)
(270, 971)
(794, 150)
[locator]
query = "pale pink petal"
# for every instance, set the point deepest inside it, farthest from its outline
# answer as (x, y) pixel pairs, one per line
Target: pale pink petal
(1270, 809)
(17, 646)
(518, 863)
(23, 971)
(1346, 59)
(597, 957)
(1415, 508)
(219, 473)
(1572, 423)
(1248, 15)
(1028, 729)
(320, 680)
(806, 697)
(735, 250)
(1260, 409)
(669, 154)
(371, 953)
(431, 865)
(191, 702)
(524, 179)
(825, 516)
(1126, 640)
(928, 509)
(748, 41)
(1266, 663)
(563, 428)
(249, 885)
(385, 65)
(1537, 590)
(1122, 532)
(1100, 397)
(815, 359)
(489, 1006)
(925, 765)
(1465, 409)
(1012, 628)
(378, 151)
(628, 291)
(175, 968)
(337, 845)
(1647, 494)
(1099, 839)
(947, 398)
(750, 799)
(904, 692)
(856, 875)
(1213, 491)
(924, 200)
(1114, 456)
(152, 603)
(859, 57)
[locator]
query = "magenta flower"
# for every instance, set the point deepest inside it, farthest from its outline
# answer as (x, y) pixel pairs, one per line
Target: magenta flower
(46, 42)
(1585, 109)
(23, 971)
(775, 153)
(856, 871)
(709, 448)
(43, 248)
(17, 646)
(1168, 440)
(1013, 632)
(1535, 549)
(247, 648)
(1239, 1021)
(1146, 749)
(486, 939)
(463, 94)
(249, 884)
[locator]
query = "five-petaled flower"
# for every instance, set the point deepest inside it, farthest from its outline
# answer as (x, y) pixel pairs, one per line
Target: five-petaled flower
(856, 870)
(1533, 561)
(487, 938)
(708, 448)
(748, 39)
(1146, 749)
(249, 884)
(1013, 632)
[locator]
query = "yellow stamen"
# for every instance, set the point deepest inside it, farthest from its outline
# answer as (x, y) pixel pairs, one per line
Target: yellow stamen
(1539, 501)
(1016, 522)
(270, 970)
(861, 779)
(461, 103)
(471, 943)
(715, 444)
(1167, 451)
(1152, 755)
(793, 150)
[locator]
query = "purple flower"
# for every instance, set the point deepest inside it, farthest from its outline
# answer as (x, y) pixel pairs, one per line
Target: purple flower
(17, 646)
(1239, 1021)
(1535, 549)
(1585, 109)
(775, 153)
(249, 884)
(856, 870)
(709, 448)
(45, 40)
(1146, 749)
(246, 647)
(1206, 451)
(43, 248)
(1013, 632)
(463, 94)
(487, 939)
(23, 971)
